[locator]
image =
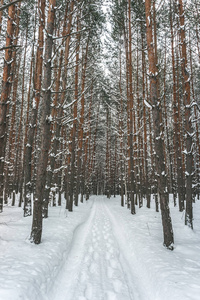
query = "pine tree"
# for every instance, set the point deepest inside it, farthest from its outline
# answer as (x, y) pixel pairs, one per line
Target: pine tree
(45, 124)
(5, 93)
(158, 131)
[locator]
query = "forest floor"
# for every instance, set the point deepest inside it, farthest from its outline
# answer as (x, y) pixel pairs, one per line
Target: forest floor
(99, 252)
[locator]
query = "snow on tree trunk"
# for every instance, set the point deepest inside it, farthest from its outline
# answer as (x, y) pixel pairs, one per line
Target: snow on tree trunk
(158, 132)
(5, 92)
(36, 232)
(34, 113)
(188, 121)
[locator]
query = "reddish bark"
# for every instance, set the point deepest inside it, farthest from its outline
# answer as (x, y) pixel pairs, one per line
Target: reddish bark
(36, 232)
(5, 92)
(158, 132)
(34, 112)
(188, 123)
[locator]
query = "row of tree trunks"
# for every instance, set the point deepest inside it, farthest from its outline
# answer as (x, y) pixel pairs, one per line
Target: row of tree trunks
(92, 119)
(57, 111)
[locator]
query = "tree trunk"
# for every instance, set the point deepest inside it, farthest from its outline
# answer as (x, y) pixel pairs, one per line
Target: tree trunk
(55, 143)
(34, 113)
(158, 132)
(80, 182)
(188, 123)
(36, 232)
(131, 113)
(177, 133)
(74, 128)
(5, 92)
(121, 135)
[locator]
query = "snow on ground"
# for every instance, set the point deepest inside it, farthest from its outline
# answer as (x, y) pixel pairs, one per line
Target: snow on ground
(99, 252)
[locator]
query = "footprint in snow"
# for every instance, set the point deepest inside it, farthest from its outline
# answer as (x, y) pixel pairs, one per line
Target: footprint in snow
(110, 249)
(113, 263)
(110, 296)
(88, 292)
(106, 236)
(90, 250)
(95, 256)
(110, 272)
(94, 233)
(108, 244)
(117, 284)
(86, 259)
(94, 239)
(82, 298)
(108, 255)
(96, 245)
(111, 241)
(93, 268)
(83, 277)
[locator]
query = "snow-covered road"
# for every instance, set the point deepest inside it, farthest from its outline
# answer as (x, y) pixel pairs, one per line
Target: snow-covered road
(95, 267)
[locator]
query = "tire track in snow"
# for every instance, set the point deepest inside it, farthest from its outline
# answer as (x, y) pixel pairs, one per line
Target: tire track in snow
(137, 277)
(103, 275)
(95, 269)
(62, 288)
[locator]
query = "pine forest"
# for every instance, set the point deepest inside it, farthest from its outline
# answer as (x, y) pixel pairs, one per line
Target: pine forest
(99, 142)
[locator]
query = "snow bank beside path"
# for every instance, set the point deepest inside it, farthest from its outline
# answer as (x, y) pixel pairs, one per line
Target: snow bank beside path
(166, 274)
(28, 271)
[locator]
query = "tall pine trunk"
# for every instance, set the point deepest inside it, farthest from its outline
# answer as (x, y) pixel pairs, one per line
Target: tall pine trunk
(34, 113)
(177, 138)
(74, 128)
(131, 112)
(45, 124)
(5, 92)
(188, 121)
(158, 132)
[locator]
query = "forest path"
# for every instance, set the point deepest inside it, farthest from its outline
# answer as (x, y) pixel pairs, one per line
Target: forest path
(96, 268)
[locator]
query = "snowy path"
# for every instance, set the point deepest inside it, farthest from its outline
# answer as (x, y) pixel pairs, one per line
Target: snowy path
(99, 252)
(95, 267)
